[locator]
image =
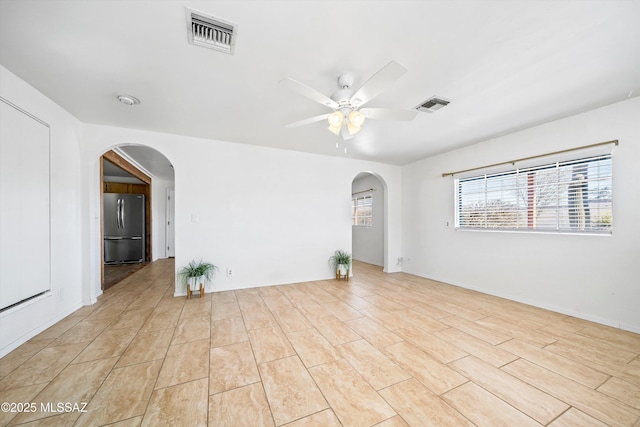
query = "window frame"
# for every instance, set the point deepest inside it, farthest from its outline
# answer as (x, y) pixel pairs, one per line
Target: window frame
(579, 199)
(355, 208)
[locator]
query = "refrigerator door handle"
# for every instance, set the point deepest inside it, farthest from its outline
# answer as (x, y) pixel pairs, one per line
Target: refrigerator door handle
(136, 238)
(118, 214)
(122, 215)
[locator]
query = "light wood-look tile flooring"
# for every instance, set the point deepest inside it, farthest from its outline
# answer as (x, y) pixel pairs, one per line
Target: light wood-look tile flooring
(381, 349)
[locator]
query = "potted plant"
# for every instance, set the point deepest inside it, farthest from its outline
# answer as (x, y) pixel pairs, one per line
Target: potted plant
(340, 261)
(195, 274)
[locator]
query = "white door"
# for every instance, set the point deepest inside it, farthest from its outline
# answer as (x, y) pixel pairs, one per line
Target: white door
(24, 206)
(171, 209)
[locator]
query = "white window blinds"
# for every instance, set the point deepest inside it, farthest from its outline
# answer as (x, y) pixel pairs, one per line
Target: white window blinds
(569, 196)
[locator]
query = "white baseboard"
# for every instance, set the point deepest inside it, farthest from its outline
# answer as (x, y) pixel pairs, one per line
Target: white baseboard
(32, 333)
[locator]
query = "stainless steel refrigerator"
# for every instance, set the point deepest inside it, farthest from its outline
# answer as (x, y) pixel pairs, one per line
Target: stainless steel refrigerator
(123, 225)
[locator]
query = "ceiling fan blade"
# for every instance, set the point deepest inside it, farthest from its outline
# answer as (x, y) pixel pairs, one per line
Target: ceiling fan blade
(308, 92)
(388, 114)
(377, 83)
(307, 121)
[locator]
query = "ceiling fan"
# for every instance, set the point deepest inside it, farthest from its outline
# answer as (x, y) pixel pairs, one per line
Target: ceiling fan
(348, 116)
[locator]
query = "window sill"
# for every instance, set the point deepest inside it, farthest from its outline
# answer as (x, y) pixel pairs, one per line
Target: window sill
(570, 233)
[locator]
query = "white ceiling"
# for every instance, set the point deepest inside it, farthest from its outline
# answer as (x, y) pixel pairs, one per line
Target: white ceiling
(505, 65)
(110, 170)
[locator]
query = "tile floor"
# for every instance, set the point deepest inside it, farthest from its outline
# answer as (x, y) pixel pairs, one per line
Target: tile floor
(115, 273)
(379, 350)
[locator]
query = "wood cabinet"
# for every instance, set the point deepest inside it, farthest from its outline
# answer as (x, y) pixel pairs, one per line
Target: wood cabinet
(124, 188)
(138, 188)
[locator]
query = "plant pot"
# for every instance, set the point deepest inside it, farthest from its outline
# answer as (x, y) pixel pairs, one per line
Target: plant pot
(342, 271)
(195, 286)
(194, 283)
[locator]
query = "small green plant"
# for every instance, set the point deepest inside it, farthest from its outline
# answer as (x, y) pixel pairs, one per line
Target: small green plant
(196, 270)
(340, 258)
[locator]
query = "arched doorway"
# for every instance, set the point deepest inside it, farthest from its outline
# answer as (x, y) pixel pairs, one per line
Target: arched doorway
(144, 178)
(369, 226)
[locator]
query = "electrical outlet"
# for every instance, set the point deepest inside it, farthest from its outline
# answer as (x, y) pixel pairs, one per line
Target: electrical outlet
(229, 272)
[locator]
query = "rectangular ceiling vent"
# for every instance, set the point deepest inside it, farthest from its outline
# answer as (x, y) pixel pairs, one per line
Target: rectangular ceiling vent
(211, 32)
(432, 104)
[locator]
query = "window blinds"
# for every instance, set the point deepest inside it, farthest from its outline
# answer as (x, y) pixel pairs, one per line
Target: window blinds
(568, 196)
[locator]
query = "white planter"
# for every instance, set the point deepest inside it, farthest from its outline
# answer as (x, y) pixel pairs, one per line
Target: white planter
(343, 269)
(194, 283)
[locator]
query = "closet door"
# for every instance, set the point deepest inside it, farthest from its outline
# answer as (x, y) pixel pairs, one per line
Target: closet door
(24, 206)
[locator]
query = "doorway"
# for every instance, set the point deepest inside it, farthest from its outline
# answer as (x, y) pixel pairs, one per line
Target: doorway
(141, 171)
(368, 232)
(123, 255)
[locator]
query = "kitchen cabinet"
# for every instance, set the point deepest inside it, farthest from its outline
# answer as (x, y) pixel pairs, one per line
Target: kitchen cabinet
(124, 188)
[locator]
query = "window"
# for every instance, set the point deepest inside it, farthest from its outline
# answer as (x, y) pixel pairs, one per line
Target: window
(362, 211)
(571, 196)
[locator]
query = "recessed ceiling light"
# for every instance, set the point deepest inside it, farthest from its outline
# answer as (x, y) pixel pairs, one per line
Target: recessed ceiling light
(128, 99)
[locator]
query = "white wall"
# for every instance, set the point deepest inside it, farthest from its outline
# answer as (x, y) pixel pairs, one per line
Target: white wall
(368, 242)
(26, 320)
(273, 216)
(592, 277)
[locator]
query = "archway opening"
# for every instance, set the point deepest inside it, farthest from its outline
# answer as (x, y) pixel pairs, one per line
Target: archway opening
(136, 206)
(369, 224)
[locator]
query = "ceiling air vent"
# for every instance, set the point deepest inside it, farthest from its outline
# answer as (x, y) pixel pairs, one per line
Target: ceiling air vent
(432, 104)
(211, 32)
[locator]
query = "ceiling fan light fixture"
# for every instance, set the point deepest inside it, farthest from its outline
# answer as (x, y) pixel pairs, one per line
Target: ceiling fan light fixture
(353, 129)
(336, 118)
(356, 118)
(345, 103)
(335, 129)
